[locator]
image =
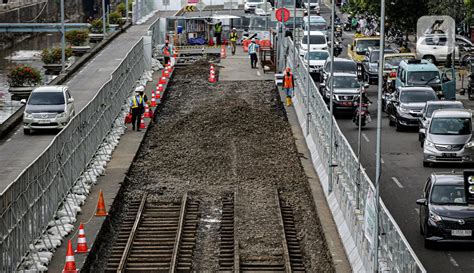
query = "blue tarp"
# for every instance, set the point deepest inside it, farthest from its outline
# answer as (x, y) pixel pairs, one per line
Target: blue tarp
(197, 41)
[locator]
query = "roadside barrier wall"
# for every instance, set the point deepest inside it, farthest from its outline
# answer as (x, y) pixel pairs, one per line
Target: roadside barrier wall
(354, 221)
(31, 200)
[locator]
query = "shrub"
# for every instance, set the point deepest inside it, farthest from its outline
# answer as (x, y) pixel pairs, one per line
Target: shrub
(23, 75)
(96, 26)
(121, 9)
(53, 55)
(116, 18)
(130, 4)
(77, 37)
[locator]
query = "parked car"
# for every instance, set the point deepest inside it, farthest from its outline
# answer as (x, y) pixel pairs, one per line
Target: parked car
(48, 107)
(316, 59)
(445, 213)
(424, 73)
(370, 63)
(264, 9)
(448, 137)
(435, 48)
(317, 41)
(341, 65)
(346, 87)
(406, 104)
(250, 5)
(427, 113)
(313, 4)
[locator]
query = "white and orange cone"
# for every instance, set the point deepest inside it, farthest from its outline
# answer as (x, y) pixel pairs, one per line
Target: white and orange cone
(70, 266)
(81, 241)
(147, 112)
(142, 123)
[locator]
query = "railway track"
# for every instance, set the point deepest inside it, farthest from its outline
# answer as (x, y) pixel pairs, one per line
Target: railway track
(156, 237)
(229, 260)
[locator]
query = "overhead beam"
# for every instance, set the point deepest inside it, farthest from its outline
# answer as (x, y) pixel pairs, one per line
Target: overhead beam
(40, 27)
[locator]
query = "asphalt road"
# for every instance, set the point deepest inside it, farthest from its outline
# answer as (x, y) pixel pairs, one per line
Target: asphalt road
(402, 180)
(18, 151)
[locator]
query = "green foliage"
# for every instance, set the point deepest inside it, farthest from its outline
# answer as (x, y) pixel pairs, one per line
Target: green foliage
(96, 26)
(23, 75)
(130, 4)
(77, 37)
(121, 9)
(53, 55)
(116, 18)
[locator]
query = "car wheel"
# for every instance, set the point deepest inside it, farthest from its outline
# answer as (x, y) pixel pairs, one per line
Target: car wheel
(421, 229)
(390, 121)
(398, 126)
(430, 59)
(27, 131)
(426, 164)
(422, 142)
(428, 243)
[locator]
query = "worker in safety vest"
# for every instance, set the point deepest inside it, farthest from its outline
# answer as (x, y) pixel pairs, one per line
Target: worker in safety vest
(288, 85)
(253, 48)
(167, 50)
(137, 108)
(218, 32)
(233, 37)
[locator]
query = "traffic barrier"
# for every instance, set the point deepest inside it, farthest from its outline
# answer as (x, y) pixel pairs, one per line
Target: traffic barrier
(81, 241)
(101, 211)
(223, 52)
(142, 123)
(70, 265)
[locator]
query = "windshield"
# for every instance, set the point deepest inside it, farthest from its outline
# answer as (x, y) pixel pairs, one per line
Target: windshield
(448, 195)
(262, 6)
(346, 82)
(259, 23)
(417, 96)
(254, 1)
(394, 61)
(314, 39)
(342, 67)
(434, 107)
(450, 126)
(374, 57)
(46, 98)
(289, 23)
(316, 27)
(362, 45)
(422, 77)
(317, 56)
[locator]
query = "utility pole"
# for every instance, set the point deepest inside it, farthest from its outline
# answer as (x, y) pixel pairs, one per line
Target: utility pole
(126, 11)
(379, 136)
(63, 40)
(103, 18)
(331, 106)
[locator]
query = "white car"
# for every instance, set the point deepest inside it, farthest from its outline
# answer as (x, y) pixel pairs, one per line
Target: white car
(317, 41)
(264, 9)
(48, 107)
(313, 4)
(435, 48)
(317, 59)
(251, 5)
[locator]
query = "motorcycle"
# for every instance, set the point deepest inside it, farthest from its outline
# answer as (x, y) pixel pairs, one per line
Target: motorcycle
(338, 31)
(362, 111)
(337, 48)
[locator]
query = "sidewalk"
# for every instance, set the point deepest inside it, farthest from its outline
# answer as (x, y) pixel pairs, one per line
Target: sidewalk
(231, 68)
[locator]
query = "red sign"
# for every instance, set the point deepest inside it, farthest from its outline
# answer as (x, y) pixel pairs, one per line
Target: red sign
(193, 1)
(282, 15)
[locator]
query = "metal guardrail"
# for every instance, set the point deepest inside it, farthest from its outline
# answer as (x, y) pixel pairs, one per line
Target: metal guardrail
(30, 202)
(395, 253)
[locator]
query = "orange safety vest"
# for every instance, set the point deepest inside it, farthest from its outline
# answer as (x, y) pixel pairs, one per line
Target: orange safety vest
(288, 81)
(166, 51)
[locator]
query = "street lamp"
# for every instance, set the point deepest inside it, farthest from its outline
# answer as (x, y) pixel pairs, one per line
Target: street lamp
(63, 41)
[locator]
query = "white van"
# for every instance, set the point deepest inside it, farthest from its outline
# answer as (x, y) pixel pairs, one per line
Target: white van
(317, 41)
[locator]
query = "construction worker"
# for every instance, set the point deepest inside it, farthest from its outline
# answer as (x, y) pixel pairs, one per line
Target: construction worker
(218, 32)
(233, 37)
(253, 48)
(166, 50)
(288, 85)
(137, 108)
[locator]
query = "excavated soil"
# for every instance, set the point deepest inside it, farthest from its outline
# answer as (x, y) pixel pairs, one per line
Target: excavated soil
(211, 139)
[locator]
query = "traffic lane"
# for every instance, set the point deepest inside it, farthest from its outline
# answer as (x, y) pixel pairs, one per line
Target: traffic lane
(402, 180)
(21, 150)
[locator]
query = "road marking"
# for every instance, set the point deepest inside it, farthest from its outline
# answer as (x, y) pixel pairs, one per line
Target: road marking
(452, 260)
(417, 211)
(258, 73)
(10, 139)
(365, 137)
(381, 160)
(397, 182)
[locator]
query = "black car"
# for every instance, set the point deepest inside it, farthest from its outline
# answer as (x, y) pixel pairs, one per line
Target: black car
(445, 212)
(405, 105)
(370, 63)
(341, 65)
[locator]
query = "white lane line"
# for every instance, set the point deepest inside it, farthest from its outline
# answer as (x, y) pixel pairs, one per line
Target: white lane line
(453, 261)
(258, 73)
(365, 137)
(397, 182)
(10, 139)
(417, 211)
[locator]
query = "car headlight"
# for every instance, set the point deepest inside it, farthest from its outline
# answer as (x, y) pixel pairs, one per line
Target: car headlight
(469, 145)
(429, 143)
(435, 217)
(61, 115)
(404, 110)
(28, 115)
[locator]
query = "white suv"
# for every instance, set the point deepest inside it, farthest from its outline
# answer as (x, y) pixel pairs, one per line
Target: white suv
(48, 107)
(317, 41)
(251, 5)
(434, 48)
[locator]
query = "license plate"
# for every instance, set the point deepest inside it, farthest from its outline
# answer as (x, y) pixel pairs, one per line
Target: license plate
(43, 121)
(449, 155)
(457, 232)
(346, 103)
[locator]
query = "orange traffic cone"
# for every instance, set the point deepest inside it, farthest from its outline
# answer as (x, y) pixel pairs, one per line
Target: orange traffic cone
(162, 80)
(70, 266)
(81, 241)
(147, 111)
(142, 123)
(159, 88)
(158, 95)
(169, 63)
(223, 52)
(212, 78)
(153, 100)
(101, 206)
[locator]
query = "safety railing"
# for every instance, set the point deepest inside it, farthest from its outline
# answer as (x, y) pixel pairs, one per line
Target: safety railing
(30, 202)
(395, 253)
(142, 8)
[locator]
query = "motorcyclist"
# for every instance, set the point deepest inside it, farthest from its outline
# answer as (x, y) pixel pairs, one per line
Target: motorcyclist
(365, 98)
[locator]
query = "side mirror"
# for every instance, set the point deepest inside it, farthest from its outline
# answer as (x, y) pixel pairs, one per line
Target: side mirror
(421, 202)
(366, 85)
(70, 100)
(23, 101)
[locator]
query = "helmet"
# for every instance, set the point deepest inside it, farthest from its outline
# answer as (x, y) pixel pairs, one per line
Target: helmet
(253, 40)
(234, 28)
(288, 69)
